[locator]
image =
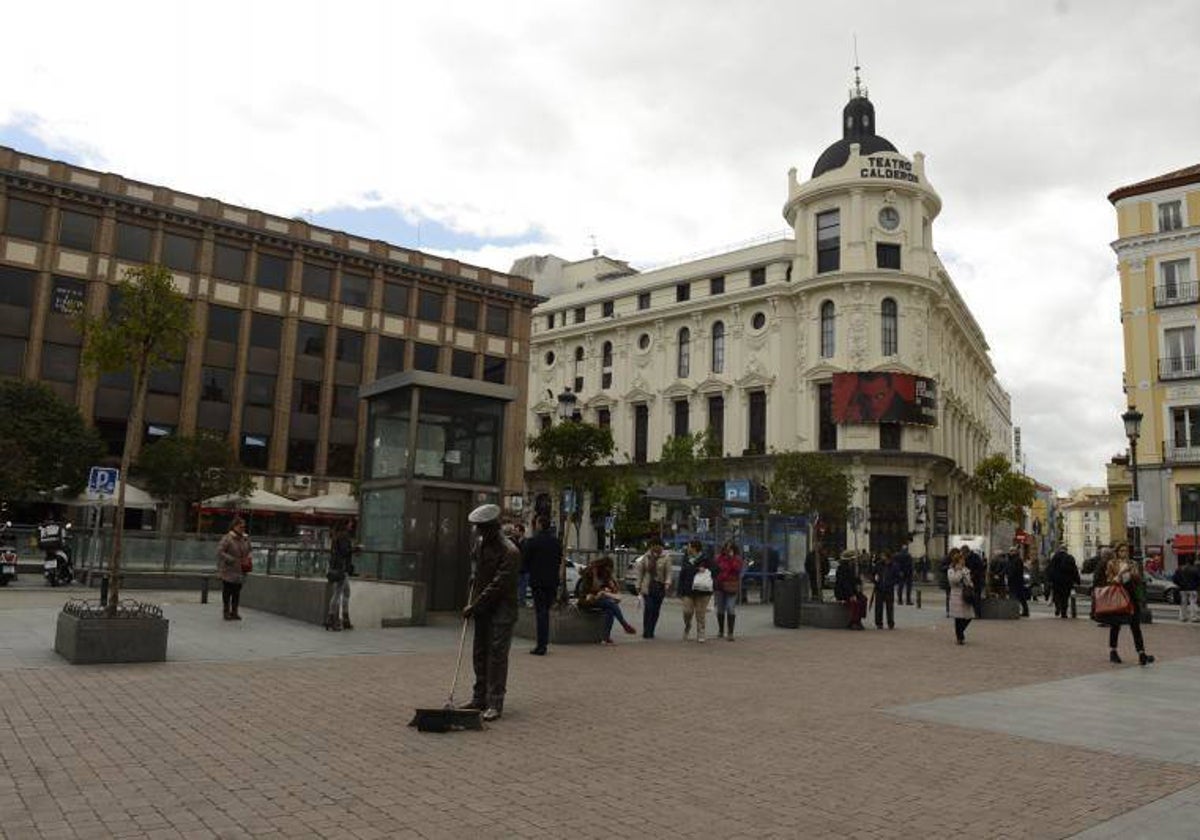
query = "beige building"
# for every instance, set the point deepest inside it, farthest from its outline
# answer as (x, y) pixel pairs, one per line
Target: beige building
(1086, 522)
(1158, 248)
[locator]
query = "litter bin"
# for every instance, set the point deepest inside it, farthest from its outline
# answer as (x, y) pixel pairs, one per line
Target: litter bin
(788, 590)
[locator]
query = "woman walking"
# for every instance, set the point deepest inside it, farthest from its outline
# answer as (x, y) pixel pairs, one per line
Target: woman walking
(1120, 570)
(233, 561)
(695, 588)
(729, 581)
(598, 590)
(340, 563)
(962, 594)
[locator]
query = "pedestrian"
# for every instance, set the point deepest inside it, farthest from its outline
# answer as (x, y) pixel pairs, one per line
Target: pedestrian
(962, 592)
(493, 605)
(847, 588)
(1119, 569)
(653, 583)
(695, 598)
(886, 574)
(516, 535)
(977, 566)
(1015, 571)
(1187, 578)
(813, 571)
(729, 581)
(233, 562)
(1063, 574)
(598, 590)
(541, 557)
(904, 575)
(341, 565)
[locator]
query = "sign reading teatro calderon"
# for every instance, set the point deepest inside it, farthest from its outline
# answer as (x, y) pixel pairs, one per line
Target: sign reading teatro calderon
(889, 167)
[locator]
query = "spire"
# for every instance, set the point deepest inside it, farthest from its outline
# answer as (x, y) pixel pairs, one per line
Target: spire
(859, 92)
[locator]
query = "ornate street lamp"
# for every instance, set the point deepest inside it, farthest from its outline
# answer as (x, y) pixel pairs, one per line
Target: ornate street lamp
(1132, 418)
(566, 405)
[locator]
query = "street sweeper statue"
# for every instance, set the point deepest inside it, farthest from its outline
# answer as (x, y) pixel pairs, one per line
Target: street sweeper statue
(493, 606)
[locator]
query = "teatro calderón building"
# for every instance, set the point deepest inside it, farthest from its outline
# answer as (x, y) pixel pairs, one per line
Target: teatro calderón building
(846, 336)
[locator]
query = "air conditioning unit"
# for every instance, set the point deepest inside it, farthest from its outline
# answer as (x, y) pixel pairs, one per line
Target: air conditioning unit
(302, 481)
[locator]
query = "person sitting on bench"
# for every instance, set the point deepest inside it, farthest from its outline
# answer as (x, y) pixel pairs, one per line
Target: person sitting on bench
(597, 590)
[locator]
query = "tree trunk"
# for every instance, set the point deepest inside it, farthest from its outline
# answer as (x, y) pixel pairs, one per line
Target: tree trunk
(141, 383)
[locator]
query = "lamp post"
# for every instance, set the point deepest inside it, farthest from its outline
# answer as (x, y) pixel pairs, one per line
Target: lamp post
(1132, 418)
(566, 411)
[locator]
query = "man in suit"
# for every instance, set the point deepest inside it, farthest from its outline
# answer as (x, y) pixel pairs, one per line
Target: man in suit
(541, 559)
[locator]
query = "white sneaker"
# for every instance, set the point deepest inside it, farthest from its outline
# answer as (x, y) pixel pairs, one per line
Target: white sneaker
(700, 639)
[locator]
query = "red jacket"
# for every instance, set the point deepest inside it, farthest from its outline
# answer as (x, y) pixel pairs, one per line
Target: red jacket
(729, 567)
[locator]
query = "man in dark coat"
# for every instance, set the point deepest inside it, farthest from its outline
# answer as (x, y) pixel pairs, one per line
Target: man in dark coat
(493, 605)
(1063, 574)
(541, 559)
(978, 569)
(1016, 580)
(847, 587)
(886, 575)
(904, 575)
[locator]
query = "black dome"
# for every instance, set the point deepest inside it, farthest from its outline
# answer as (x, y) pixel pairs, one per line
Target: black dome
(858, 126)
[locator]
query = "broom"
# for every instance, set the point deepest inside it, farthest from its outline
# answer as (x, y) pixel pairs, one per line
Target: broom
(449, 718)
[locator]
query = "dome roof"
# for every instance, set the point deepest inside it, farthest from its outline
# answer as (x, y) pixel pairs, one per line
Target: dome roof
(858, 126)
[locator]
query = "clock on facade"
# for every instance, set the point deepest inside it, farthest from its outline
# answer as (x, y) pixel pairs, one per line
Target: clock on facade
(889, 218)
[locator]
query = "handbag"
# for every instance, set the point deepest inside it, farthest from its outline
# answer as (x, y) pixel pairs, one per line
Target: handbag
(703, 581)
(729, 587)
(247, 565)
(968, 594)
(1111, 601)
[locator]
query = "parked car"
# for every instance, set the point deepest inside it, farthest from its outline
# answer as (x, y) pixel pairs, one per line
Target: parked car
(1159, 587)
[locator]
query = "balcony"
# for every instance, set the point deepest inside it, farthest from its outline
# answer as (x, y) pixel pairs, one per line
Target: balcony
(1178, 367)
(1184, 454)
(1176, 294)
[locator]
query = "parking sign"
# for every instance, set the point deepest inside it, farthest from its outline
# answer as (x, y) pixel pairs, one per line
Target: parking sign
(102, 481)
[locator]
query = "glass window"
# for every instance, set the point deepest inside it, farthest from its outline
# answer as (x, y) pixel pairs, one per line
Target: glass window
(225, 323)
(827, 322)
(716, 286)
(494, 369)
(216, 384)
(497, 320)
(550, 321)
(890, 436)
(425, 357)
(429, 305)
(168, 381)
(718, 347)
(606, 354)
(301, 455)
(345, 401)
(891, 338)
(757, 439)
(606, 380)
(641, 430)
(758, 276)
(387, 453)
(316, 281)
(826, 427)
(606, 309)
(12, 356)
(77, 230)
(684, 366)
(229, 262)
(16, 286)
(272, 272)
(306, 396)
(25, 219)
(1176, 275)
(887, 255)
(254, 451)
(683, 291)
(340, 460)
(133, 242)
(310, 339)
(604, 418)
(681, 418)
(395, 299)
(60, 362)
(349, 346)
(580, 314)
(355, 289)
(260, 389)
(391, 356)
(578, 370)
(179, 252)
(716, 423)
(466, 314)
(266, 331)
(458, 437)
(829, 241)
(644, 300)
(462, 363)
(758, 320)
(1170, 215)
(67, 296)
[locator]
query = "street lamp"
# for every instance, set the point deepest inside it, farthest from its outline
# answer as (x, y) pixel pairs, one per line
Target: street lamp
(566, 405)
(1132, 418)
(566, 411)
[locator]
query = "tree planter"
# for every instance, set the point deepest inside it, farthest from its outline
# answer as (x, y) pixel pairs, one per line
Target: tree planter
(1005, 608)
(568, 625)
(85, 635)
(832, 615)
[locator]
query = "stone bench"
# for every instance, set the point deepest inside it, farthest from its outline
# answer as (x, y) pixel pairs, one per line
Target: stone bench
(568, 625)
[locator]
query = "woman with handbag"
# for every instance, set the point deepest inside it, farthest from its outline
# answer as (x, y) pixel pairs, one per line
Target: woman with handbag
(696, 586)
(233, 564)
(729, 581)
(598, 590)
(340, 566)
(1117, 600)
(962, 594)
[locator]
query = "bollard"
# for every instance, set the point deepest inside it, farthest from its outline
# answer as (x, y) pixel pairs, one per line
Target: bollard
(1074, 614)
(204, 590)
(918, 599)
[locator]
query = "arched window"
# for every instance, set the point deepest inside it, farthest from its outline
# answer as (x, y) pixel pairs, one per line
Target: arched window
(578, 370)
(685, 353)
(827, 329)
(606, 354)
(891, 341)
(718, 347)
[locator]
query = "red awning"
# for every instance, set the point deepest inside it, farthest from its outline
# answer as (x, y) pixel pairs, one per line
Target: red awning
(1184, 544)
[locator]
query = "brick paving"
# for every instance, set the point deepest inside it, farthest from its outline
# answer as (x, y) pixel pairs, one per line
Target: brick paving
(780, 734)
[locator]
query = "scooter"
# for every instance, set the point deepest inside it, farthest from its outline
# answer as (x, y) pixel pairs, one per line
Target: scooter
(8, 554)
(57, 566)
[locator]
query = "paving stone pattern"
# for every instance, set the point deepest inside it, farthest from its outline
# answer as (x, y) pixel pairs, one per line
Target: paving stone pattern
(272, 728)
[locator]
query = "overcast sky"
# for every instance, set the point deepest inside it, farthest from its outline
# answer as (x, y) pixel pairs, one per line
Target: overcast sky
(490, 131)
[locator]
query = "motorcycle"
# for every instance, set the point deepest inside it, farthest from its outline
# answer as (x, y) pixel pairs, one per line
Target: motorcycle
(8, 554)
(58, 567)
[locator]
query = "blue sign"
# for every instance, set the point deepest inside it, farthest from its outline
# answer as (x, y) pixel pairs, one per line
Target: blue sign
(737, 490)
(102, 481)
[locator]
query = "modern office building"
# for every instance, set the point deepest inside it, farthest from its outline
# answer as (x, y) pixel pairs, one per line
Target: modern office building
(1158, 246)
(291, 323)
(845, 336)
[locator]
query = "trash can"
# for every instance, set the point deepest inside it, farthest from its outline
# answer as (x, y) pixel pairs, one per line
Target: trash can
(788, 590)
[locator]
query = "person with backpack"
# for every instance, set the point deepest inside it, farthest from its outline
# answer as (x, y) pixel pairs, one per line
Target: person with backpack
(1187, 578)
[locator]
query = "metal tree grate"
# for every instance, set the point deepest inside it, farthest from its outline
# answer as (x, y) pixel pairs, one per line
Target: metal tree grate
(129, 608)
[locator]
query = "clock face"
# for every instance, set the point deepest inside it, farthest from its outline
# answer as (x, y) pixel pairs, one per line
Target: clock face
(889, 218)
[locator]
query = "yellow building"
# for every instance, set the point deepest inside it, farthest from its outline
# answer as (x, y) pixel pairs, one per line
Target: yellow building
(1158, 224)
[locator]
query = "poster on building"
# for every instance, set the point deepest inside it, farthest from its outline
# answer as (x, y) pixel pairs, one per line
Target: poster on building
(941, 515)
(884, 397)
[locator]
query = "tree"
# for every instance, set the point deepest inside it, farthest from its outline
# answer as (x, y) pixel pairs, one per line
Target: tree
(148, 331)
(186, 470)
(810, 483)
(1005, 494)
(686, 460)
(45, 446)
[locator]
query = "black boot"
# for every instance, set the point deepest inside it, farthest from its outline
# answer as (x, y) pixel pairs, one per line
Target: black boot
(721, 625)
(729, 635)
(346, 625)
(332, 623)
